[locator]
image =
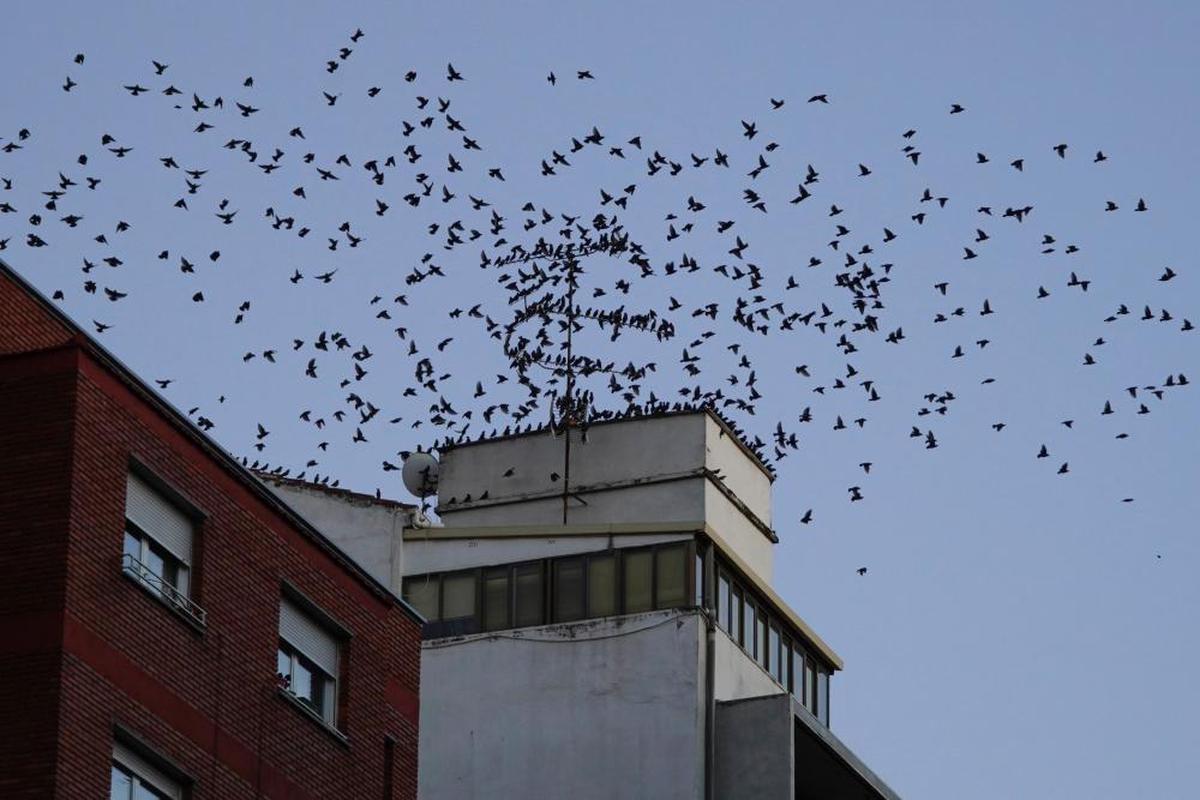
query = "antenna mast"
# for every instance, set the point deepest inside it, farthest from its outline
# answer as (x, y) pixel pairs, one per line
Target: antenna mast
(572, 408)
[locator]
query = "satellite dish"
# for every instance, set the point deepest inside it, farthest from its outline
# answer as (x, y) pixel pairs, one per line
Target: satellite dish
(420, 474)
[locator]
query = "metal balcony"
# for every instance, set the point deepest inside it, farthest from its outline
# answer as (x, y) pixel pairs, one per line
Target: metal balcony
(160, 588)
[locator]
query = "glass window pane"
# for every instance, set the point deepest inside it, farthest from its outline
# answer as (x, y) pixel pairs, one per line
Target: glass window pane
(529, 595)
(283, 668)
(458, 595)
(797, 687)
(180, 578)
(132, 546)
(638, 571)
(698, 581)
(495, 599)
(602, 586)
(302, 681)
(122, 784)
(671, 571)
(748, 626)
(723, 603)
(823, 696)
(776, 654)
(735, 614)
(421, 592)
(316, 696)
(785, 654)
(568, 589)
(144, 791)
(154, 560)
(761, 636)
(165, 565)
(810, 687)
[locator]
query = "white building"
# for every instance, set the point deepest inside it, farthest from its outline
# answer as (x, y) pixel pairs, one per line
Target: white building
(636, 651)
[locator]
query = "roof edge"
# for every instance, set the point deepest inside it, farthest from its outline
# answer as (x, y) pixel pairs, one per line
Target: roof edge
(110, 362)
(725, 425)
(335, 491)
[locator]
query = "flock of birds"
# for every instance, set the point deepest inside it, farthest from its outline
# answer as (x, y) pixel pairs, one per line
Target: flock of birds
(595, 273)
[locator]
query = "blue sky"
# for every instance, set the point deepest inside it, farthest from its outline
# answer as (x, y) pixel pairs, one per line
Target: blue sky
(1019, 633)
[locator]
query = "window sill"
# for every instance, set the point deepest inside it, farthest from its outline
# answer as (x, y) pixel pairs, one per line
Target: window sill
(192, 622)
(313, 717)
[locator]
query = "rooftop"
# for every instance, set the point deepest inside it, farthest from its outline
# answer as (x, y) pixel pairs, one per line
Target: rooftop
(654, 411)
(333, 491)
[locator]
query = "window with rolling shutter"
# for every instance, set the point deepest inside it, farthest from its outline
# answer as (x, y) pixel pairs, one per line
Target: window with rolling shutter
(136, 778)
(308, 660)
(157, 518)
(157, 551)
(301, 632)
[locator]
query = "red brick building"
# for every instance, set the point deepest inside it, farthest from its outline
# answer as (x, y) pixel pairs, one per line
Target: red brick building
(168, 628)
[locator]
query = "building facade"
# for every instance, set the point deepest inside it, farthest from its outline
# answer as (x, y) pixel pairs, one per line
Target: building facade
(618, 637)
(170, 629)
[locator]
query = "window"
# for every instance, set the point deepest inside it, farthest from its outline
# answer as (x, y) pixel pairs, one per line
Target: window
(786, 649)
(810, 686)
(135, 778)
(564, 589)
(568, 589)
(639, 574)
(157, 548)
(308, 659)
(670, 564)
(749, 627)
(796, 686)
(698, 580)
(822, 711)
(422, 594)
(602, 586)
(458, 596)
(723, 603)
(776, 654)
(761, 639)
(529, 596)
(495, 599)
(735, 615)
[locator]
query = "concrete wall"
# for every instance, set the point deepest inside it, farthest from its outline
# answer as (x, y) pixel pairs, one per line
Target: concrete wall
(438, 555)
(596, 709)
(754, 749)
(614, 452)
(738, 532)
(370, 533)
(738, 470)
(671, 501)
(639, 470)
(737, 675)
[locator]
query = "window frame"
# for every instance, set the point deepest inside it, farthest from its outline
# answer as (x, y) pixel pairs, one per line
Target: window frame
(579, 564)
(145, 768)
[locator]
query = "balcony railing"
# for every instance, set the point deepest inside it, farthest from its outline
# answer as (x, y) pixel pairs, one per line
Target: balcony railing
(170, 595)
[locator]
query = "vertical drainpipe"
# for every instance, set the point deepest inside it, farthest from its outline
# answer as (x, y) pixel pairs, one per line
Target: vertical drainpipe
(710, 684)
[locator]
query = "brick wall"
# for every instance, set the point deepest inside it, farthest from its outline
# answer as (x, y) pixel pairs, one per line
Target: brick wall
(36, 412)
(24, 323)
(205, 700)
